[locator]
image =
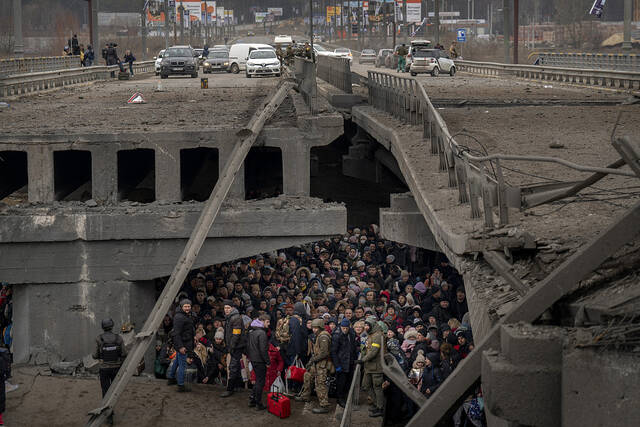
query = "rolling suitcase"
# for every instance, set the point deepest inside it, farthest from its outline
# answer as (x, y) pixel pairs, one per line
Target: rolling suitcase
(279, 405)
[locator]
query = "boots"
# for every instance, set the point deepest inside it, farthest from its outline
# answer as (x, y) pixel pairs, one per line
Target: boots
(376, 412)
(227, 393)
(172, 381)
(320, 410)
(260, 407)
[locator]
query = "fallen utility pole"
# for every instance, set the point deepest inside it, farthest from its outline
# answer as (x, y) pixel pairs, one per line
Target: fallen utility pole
(189, 255)
(531, 306)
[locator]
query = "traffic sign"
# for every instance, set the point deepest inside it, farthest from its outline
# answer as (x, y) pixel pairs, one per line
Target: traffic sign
(462, 35)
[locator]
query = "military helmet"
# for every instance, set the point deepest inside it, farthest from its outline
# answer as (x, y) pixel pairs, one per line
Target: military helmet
(107, 324)
(317, 323)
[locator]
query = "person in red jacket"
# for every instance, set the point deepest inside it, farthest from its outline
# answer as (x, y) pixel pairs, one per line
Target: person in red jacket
(276, 366)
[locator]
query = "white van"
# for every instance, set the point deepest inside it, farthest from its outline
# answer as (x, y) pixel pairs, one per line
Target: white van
(239, 53)
(283, 40)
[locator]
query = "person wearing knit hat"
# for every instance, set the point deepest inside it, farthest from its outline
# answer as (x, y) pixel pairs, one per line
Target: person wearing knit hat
(219, 335)
(345, 323)
(343, 354)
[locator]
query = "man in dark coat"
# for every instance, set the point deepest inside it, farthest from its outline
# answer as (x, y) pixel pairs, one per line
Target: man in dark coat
(298, 344)
(235, 339)
(183, 341)
(258, 353)
(459, 306)
(343, 354)
(432, 375)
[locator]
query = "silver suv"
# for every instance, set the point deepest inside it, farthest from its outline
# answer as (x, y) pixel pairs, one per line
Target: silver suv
(179, 60)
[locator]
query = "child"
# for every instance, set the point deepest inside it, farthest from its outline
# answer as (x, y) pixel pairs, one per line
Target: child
(276, 366)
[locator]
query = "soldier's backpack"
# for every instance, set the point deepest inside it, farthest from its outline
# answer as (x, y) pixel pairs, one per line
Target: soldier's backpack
(283, 332)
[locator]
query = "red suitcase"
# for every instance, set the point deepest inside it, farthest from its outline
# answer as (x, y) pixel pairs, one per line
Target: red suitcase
(279, 404)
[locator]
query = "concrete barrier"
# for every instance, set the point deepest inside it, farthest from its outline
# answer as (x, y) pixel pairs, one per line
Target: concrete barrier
(13, 66)
(24, 84)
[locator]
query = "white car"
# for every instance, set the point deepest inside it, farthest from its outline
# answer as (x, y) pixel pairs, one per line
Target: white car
(321, 51)
(263, 62)
(343, 52)
(432, 61)
(158, 61)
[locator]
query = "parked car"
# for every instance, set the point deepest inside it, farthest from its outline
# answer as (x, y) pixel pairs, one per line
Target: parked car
(179, 60)
(218, 60)
(239, 54)
(367, 55)
(415, 44)
(262, 62)
(432, 61)
(382, 56)
(343, 52)
(158, 60)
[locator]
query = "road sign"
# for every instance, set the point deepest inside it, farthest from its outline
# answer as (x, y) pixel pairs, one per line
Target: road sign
(462, 35)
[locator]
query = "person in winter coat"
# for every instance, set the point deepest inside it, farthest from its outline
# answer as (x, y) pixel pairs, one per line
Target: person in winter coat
(432, 376)
(128, 59)
(298, 344)
(235, 339)
(183, 342)
(258, 353)
(318, 368)
(459, 306)
(344, 355)
(275, 368)
(370, 358)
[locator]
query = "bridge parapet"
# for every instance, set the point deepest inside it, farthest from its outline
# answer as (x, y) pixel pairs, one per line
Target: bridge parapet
(12, 66)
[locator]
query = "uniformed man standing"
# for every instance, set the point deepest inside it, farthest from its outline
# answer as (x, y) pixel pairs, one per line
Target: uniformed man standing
(402, 53)
(111, 353)
(372, 367)
(318, 368)
(236, 340)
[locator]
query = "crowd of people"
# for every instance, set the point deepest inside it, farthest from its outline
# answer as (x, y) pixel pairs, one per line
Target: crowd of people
(304, 318)
(109, 54)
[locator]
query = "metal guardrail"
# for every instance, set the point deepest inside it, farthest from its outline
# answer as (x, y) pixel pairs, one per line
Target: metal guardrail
(594, 61)
(335, 71)
(12, 66)
(353, 399)
(305, 75)
(406, 99)
(24, 84)
(628, 80)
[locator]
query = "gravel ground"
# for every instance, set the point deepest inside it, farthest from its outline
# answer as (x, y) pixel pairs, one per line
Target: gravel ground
(102, 107)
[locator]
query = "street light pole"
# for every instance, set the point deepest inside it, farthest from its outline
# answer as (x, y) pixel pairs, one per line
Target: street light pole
(18, 43)
(166, 24)
(311, 28)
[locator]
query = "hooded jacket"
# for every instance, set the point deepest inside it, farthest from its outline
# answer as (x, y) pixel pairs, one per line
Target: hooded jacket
(432, 375)
(298, 343)
(343, 349)
(234, 333)
(258, 345)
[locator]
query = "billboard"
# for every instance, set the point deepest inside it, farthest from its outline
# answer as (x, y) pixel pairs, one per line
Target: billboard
(260, 17)
(155, 13)
(275, 11)
(414, 11)
(192, 8)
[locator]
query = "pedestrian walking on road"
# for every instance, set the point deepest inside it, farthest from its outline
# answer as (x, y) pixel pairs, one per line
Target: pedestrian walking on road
(129, 58)
(111, 352)
(183, 342)
(89, 56)
(402, 54)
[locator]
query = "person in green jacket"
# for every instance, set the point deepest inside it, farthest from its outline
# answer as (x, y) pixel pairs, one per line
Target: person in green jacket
(370, 359)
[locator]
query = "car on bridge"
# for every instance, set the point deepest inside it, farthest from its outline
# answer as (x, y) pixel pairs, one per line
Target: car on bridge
(239, 55)
(367, 55)
(433, 61)
(343, 52)
(262, 62)
(179, 60)
(381, 57)
(158, 60)
(218, 60)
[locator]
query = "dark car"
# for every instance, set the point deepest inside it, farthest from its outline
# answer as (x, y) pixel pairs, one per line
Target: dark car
(218, 60)
(179, 60)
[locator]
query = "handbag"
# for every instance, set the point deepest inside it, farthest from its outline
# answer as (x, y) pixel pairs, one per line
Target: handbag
(296, 371)
(277, 386)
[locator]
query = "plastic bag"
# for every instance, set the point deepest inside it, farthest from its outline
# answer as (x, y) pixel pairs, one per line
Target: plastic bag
(277, 386)
(296, 371)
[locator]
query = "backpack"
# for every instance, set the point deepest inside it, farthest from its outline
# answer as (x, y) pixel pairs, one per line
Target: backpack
(110, 349)
(283, 330)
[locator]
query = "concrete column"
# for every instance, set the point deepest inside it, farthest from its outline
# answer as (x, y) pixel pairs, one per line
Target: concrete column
(237, 188)
(104, 174)
(95, 33)
(40, 174)
(168, 175)
(296, 169)
(78, 308)
(506, 14)
(18, 43)
(626, 44)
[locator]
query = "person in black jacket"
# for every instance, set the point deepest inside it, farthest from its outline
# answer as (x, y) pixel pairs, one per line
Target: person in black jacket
(343, 354)
(235, 338)
(258, 352)
(183, 341)
(432, 375)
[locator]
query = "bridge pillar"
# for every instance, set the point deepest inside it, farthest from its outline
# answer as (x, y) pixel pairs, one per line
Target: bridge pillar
(18, 42)
(237, 188)
(104, 174)
(43, 313)
(40, 173)
(168, 174)
(296, 169)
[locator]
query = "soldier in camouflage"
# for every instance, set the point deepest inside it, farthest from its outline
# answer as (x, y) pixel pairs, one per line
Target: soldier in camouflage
(370, 358)
(318, 368)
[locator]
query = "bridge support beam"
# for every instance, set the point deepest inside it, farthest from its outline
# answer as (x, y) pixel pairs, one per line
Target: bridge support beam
(18, 41)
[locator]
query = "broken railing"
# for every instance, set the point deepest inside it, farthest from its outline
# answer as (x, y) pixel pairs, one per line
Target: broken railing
(405, 99)
(336, 71)
(305, 75)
